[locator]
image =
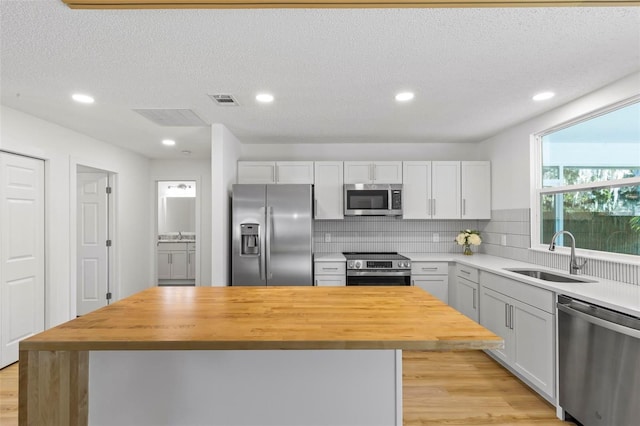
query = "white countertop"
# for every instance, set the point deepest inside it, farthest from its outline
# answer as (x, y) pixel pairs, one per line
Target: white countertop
(615, 295)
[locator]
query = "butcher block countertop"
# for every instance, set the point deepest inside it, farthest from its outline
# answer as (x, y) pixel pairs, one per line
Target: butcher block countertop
(213, 318)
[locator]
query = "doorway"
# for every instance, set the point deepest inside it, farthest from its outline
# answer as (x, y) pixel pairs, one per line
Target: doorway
(176, 230)
(94, 238)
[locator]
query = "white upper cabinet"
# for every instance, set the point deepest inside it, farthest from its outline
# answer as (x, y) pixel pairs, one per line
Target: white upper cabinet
(447, 189)
(431, 190)
(476, 190)
(275, 172)
(416, 185)
(329, 194)
(256, 172)
(373, 172)
(294, 172)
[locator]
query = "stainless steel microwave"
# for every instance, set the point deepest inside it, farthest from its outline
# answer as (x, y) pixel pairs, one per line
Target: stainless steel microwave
(362, 199)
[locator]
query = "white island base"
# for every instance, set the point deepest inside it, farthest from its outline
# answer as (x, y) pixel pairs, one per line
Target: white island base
(246, 388)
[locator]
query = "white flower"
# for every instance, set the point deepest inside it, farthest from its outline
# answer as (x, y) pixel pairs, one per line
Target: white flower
(475, 239)
(461, 239)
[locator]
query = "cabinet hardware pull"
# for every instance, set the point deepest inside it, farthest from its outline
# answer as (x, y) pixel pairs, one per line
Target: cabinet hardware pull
(474, 298)
(511, 317)
(429, 269)
(329, 269)
(464, 206)
(464, 272)
(506, 315)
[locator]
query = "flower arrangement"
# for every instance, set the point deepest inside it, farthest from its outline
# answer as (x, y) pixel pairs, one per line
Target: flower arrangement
(467, 238)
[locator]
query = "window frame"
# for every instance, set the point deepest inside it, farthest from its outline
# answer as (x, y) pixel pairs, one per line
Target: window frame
(537, 190)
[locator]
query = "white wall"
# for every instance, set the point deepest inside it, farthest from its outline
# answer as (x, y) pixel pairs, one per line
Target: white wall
(509, 151)
(360, 151)
(187, 169)
(62, 149)
(225, 151)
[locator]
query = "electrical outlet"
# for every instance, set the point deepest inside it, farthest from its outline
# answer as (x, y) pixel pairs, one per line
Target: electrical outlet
(327, 237)
(436, 238)
(503, 240)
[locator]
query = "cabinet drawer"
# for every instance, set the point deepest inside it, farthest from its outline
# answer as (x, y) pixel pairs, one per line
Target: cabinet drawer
(429, 268)
(331, 281)
(172, 246)
(330, 268)
(525, 293)
(467, 272)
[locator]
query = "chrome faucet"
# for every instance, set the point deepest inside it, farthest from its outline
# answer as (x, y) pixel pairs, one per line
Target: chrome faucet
(573, 262)
(179, 235)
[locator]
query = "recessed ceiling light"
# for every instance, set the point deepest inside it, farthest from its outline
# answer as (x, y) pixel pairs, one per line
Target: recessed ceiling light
(84, 99)
(543, 96)
(264, 97)
(168, 142)
(404, 96)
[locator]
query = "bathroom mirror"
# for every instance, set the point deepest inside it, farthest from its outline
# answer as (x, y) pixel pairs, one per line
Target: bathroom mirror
(176, 208)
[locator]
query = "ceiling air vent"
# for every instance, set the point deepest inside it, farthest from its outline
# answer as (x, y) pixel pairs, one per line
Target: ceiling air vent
(172, 117)
(224, 100)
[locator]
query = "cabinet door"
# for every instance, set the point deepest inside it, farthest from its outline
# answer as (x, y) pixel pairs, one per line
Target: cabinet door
(436, 285)
(358, 172)
(416, 185)
(329, 190)
(476, 189)
(495, 315)
(179, 264)
(330, 281)
(256, 172)
(533, 346)
(164, 267)
(191, 265)
(467, 298)
(294, 172)
(387, 172)
(445, 189)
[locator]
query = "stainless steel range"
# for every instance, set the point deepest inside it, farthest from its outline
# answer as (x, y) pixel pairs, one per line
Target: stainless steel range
(377, 269)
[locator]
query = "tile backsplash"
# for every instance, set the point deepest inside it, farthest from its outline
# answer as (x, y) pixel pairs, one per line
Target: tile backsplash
(381, 233)
(507, 234)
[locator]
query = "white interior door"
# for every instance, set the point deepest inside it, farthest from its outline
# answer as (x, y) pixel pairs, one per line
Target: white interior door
(21, 252)
(93, 265)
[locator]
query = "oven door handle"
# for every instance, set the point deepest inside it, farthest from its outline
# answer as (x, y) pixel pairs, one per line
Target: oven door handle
(378, 273)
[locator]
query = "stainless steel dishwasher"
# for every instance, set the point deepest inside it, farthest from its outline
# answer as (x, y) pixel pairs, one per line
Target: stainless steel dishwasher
(599, 368)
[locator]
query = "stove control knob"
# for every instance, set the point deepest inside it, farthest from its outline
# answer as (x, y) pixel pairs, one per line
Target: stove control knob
(358, 264)
(407, 264)
(351, 264)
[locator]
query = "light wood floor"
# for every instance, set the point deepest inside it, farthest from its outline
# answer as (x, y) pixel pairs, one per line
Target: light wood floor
(440, 388)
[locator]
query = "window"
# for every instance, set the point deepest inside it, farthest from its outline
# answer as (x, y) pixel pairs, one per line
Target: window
(589, 182)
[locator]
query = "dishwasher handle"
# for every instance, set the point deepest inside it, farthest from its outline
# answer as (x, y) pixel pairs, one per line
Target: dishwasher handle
(618, 328)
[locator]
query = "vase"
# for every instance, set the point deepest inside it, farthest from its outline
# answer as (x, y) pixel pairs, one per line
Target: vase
(467, 250)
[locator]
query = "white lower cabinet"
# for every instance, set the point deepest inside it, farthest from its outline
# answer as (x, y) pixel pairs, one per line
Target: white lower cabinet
(330, 274)
(466, 291)
(467, 298)
(432, 277)
(176, 261)
(527, 330)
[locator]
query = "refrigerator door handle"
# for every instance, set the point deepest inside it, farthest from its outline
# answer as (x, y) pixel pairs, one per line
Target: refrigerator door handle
(261, 256)
(268, 246)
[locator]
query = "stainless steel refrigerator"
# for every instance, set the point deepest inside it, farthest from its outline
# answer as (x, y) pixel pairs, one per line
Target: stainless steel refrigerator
(272, 235)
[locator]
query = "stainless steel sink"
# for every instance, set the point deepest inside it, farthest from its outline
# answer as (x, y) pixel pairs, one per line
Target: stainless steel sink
(547, 276)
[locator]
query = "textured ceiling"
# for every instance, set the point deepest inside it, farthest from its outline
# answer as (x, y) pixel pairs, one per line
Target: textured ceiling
(333, 72)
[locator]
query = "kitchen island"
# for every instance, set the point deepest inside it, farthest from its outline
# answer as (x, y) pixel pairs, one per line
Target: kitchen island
(238, 356)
